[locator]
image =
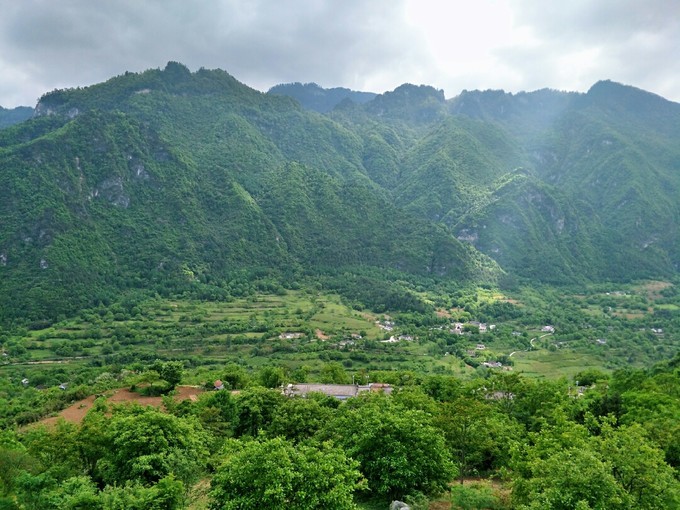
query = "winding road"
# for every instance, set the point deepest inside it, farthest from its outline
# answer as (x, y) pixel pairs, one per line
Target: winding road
(531, 342)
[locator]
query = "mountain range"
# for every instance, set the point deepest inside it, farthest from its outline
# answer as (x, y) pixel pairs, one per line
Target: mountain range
(173, 181)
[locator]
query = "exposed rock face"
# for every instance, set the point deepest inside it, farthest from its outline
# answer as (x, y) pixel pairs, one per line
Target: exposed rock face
(113, 191)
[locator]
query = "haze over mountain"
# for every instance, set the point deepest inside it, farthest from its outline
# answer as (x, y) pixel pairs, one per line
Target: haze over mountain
(178, 181)
(9, 116)
(314, 97)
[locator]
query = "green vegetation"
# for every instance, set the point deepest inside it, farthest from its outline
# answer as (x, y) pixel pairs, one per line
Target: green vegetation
(450, 417)
(614, 445)
(507, 264)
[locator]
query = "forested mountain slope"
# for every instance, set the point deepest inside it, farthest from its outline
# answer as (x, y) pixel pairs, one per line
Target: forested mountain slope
(173, 180)
(554, 186)
(170, 180)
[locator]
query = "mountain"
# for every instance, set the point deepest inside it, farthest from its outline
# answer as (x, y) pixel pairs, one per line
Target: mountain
(10, 116)
(177, 182)
(319, 99)
(554, 186)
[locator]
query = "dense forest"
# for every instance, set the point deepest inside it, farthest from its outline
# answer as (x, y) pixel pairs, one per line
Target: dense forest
(491, 280)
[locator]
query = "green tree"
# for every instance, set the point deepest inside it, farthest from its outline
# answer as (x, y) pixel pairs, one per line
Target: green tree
(299, 418)
(56, 448)
(217, 411)
(167, 494)
(477, 435)
(272, 377)
(275, 474)
(145, 444)
(235, 377)
(639, 467)
(399, 450)
(569, 479)
(75, 493)
(334, 373)
(256, 408)
(170, 371)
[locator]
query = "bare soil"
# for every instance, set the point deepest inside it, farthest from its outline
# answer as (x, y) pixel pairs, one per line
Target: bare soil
(77, 411)
(321, 336)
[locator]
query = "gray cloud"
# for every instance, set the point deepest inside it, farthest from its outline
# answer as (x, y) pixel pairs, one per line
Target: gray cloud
(355, 43)
(630, 41)
(76, 42)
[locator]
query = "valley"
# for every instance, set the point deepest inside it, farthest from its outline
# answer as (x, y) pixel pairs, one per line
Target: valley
(506, 263)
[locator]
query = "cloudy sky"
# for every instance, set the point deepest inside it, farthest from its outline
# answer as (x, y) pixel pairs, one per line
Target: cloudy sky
(372, 45)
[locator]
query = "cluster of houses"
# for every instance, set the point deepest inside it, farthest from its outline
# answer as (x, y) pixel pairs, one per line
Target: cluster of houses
(458, 328)
(25, 383)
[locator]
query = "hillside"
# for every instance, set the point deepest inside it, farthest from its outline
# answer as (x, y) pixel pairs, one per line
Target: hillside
(173, 182)
(599, 174)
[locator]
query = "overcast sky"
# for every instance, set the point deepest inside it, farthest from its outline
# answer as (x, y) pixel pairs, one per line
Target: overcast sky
(372, 45)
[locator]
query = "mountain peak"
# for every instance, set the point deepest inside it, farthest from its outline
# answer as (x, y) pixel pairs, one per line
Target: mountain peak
(614, 94)
(314, 97)
(174, 79)
(414, 103)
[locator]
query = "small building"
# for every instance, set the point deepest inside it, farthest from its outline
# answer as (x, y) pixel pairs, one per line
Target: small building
(548, 329)
(480, 347)
(290, 336)
(24, 382)
(492, 364)
(63, 386)
(500, 395)
(457, 328)
(386, 325)
(339, 391)
(479, 325)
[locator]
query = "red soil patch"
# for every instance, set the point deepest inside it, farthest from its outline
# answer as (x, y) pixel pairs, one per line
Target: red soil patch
(443, 313)
(77, 411)
(321, 336)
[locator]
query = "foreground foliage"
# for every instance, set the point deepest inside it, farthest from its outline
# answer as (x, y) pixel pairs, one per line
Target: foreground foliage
(276, 474)
(550, 448)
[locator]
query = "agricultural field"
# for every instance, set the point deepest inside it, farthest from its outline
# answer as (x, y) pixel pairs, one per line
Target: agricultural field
(303, 331)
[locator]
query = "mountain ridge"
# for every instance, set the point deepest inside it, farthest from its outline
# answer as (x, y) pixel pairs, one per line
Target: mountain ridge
(180, 180)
